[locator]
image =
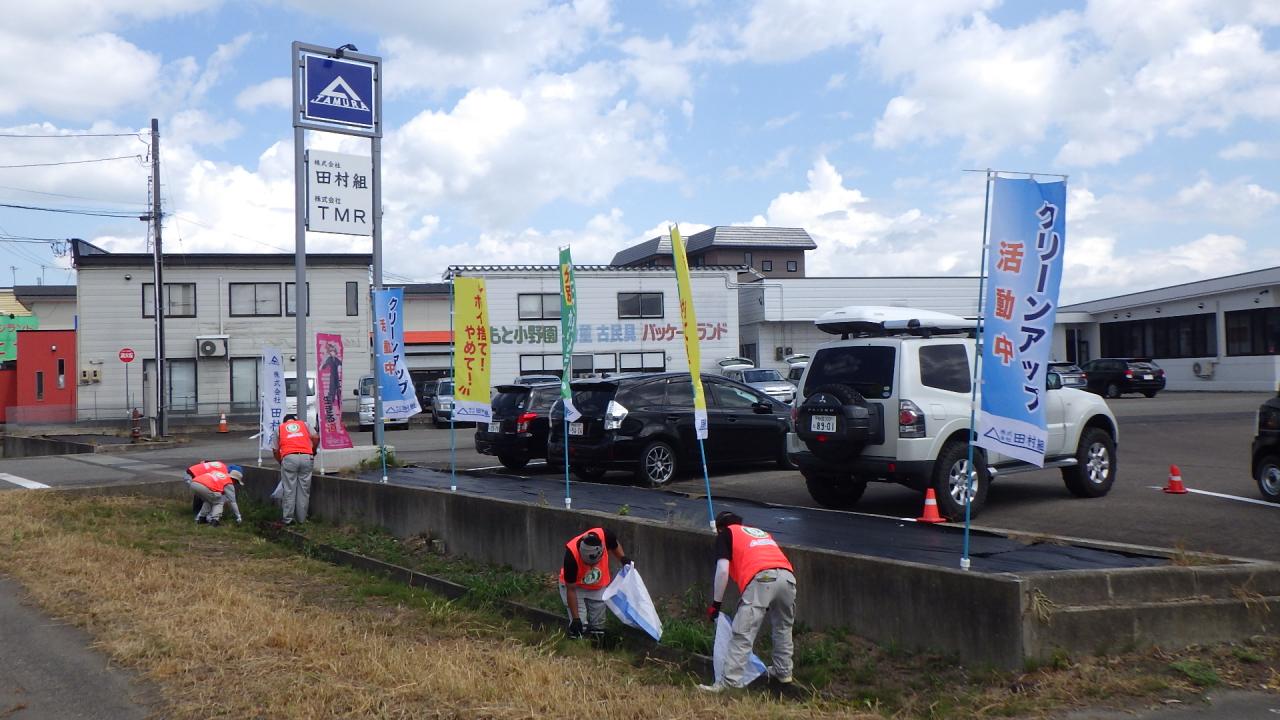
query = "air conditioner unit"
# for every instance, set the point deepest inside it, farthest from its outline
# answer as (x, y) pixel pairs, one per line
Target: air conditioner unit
(1204, 368)
(211, 346)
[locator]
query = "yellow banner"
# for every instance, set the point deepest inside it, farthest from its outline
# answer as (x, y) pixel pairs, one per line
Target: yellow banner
(690, 320)
(472, 358)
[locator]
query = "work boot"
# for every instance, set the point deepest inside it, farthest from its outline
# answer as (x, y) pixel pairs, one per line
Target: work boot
(214, 522)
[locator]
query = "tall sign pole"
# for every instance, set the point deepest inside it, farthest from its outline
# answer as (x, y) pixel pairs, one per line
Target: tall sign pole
(158, 293)
(334, 90)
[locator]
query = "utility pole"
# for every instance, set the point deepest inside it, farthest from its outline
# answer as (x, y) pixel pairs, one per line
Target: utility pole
(158, 292)
(14, 270)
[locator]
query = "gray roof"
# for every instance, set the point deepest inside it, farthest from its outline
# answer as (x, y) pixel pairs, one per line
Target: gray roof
(721, 236)
(1228, 283)
(426, 289)
(35, 292)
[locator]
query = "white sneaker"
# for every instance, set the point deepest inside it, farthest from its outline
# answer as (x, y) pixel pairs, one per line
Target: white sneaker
(713, 688)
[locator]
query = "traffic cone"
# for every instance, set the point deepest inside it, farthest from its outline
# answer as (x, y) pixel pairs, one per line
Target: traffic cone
(930, 509)
(222, 423)
(1175, 486)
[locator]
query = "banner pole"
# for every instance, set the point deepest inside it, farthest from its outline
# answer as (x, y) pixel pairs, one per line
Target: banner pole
(971, 476)
(453, 409)
(706, 480)
(262, 426)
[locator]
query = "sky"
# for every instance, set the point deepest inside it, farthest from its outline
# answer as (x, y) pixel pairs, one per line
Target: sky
(515, 127)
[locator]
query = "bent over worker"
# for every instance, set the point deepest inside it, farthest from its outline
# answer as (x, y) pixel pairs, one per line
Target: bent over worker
(209, 487)
(201, 468)
(584, 577)
(768, 587)
(294, 447)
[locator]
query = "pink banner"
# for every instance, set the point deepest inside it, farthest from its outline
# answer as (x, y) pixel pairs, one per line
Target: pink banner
(333, 434)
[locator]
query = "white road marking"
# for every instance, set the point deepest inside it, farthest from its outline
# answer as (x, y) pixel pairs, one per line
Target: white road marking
(23, 482)
(1224, 496)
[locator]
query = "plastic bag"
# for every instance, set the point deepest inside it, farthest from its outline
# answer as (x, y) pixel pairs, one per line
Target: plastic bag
(629, 599)
(278, 493)
(724, 632)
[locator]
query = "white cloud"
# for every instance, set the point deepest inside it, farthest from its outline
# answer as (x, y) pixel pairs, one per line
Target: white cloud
(1244, 150)
(836, 81)
(273, 93)
(1094, 267)
(775, 123)
(1238, 201)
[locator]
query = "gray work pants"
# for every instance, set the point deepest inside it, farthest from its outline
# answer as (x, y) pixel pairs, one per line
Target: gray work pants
(772, 593)
(229, 493)
(212, 507)
(295, 479)
(590, 607)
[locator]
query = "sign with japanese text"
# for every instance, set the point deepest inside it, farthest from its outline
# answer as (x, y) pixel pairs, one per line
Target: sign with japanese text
(399, 401)
(333, 434)
(9, 327)
(339, 91)
(568, 330)
(603, 333)
(1024, 271)
(689, 319)
(339, 194)
(271, 382)
(472, 356)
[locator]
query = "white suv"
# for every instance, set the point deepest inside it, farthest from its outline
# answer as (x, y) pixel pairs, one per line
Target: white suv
(917, 366)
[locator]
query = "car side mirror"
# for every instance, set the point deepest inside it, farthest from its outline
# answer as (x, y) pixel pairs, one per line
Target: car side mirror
(1053, 381)
(761, 408)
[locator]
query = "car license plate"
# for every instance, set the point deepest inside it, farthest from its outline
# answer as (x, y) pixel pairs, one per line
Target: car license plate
(495, 427)
(1148, 377)
(575, 428)
(823, 423)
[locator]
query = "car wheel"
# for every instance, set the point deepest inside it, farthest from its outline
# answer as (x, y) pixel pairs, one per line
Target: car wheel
(1112, 391)
(658, 464)
(588, 472)
(1269, 478)
(513, 462)
(838, 492)
(1095, 468)
(1150, 393)
(950, 480)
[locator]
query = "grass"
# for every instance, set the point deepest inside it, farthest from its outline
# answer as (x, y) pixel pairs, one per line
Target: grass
(285, 636)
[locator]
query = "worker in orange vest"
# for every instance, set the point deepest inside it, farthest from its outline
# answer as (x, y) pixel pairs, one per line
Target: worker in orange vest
(767, 585)
(209, 487)
(585, 575)
(201, 468)
(295, 448)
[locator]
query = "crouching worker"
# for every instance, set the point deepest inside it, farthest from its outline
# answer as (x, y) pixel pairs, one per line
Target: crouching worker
(210, 487)
(198, 469)
(236, 473)
(765, 581)
(584, 577)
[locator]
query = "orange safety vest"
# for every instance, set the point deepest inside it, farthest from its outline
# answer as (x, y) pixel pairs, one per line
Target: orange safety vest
(754, 550)
(294, 439)
(590, 577)
(201, 468)
(215, 481)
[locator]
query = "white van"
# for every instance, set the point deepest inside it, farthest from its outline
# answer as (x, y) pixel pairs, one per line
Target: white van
(291, 397)
(368, 392)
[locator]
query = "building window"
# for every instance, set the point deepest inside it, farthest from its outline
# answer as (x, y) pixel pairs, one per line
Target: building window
(62, 374)
(179, 300)
(792, 266)
(39, 385)
(700, 261)
(291, 299)
(544, 306)
(182, 385)
(255, 299)
(1253, 332)
(746, 259)
(244, 383)
(639, 305)
(1183, 336)
(642, 362)
(541, 365)
(766, 265)
(353, 299)
(604, 363)
(748, 351)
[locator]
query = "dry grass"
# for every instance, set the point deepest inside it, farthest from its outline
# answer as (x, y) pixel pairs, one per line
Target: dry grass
(229, 626)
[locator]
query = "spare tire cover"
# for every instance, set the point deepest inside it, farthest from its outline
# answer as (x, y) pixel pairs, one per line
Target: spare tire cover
(843, 403)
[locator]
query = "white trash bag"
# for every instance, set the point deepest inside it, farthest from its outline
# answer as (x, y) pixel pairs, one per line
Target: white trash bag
(724, 633)
(278, 493)
(629, 599)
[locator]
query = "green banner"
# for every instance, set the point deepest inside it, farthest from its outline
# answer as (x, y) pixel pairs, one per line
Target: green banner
(9, 327)
(568, 322)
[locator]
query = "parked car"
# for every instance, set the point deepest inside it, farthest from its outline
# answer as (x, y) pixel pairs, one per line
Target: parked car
(766, 380)
(535, 379)
(426, 391)
(1071, 374)
(517, 432)
(891, 401)
(1266, 450)
(1113, 377)
(795, 368)
(643, 423)
(442, 402)
(367, 391)
(291, 397)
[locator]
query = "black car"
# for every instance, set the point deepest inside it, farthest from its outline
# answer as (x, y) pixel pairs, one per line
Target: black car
(644, 424)
(1113, 377)
(517, 432)
(1070, 374)
(1266, 450)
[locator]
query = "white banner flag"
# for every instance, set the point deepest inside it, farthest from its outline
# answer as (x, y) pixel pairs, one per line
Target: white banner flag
(271, 387)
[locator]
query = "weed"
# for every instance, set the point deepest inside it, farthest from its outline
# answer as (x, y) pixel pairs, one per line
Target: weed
(1197, 671)
(1247, 655)
(624, 510)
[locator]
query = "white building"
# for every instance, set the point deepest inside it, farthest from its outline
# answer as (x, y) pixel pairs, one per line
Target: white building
(628, 318)
(221, 310)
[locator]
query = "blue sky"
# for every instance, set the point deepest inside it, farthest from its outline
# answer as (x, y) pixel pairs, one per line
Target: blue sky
(516, 126)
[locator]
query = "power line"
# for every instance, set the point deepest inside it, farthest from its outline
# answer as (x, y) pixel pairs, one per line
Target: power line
(64, 195)
(29, 240)
(74, 162)
(70, 135)
(95, 213)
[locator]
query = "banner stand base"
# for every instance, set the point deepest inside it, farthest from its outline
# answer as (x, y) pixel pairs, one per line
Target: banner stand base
(568, 504)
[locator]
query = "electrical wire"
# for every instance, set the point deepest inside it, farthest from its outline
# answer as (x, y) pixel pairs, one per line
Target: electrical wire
(70, 135)
(67, 211)
(73, 162)
(64, 195)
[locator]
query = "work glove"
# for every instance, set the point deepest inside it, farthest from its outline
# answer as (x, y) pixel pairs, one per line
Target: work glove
(713, 610)
(575, 628)
(625, 561)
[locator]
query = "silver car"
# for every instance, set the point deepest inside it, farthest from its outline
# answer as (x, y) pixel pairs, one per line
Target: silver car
(768, 381)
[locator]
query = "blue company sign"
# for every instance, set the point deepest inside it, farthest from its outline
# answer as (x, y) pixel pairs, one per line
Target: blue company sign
(339, 91)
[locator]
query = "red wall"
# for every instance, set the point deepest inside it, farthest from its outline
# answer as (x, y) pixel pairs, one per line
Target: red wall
(8, 390)
(39, 352)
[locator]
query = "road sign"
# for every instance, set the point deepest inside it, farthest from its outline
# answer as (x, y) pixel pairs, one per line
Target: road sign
(339, 193)
(126, 355)
(339, 91)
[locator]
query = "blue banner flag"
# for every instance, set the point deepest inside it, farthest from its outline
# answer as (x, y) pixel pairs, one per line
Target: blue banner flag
(1024, 271)
(394, 383)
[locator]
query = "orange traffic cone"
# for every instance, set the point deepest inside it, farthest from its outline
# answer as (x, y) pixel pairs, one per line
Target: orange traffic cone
(222, 423)
(930, 509)
(1175, 486)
